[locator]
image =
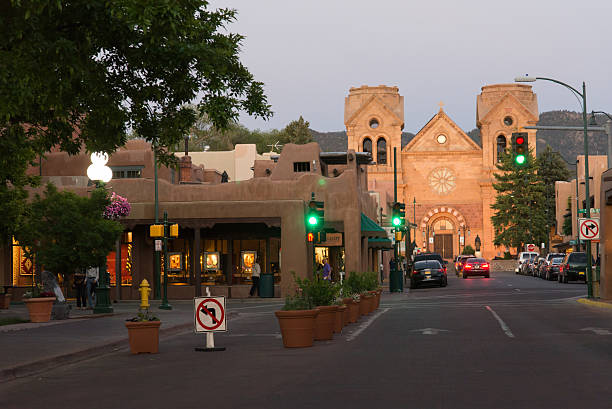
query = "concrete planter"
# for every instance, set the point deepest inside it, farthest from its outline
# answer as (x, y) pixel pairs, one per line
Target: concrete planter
(143, 336)
(297, 327)
(325, 321)
(366, 303)
(354, 310)
(5, 301)
(339, 319)
(39, 308)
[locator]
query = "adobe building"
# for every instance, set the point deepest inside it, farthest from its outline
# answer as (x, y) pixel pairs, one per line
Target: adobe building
(444, 177)
(225, 226)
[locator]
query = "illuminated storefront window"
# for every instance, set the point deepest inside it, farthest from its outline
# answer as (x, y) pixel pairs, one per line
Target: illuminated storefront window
(23, 267)
(126, 262)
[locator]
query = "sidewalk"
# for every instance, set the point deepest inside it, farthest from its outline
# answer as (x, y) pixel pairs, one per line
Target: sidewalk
(595, 303)
(30, 348)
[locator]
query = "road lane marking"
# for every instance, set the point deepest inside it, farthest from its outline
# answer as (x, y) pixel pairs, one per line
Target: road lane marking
(366, 324)
(516, 289)
(598, 331)
(501, 322)
(429, 331)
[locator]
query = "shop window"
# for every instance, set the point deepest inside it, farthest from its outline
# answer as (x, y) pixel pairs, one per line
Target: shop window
(443, 224)
(501, 147)
(126, 262)
(367, 145)
(381, 151)
(127, 172)
(301, 166)
(212, 264)
(23, 267)
(245, 254)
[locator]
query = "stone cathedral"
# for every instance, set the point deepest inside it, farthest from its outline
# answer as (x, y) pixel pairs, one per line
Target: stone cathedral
(443, 176)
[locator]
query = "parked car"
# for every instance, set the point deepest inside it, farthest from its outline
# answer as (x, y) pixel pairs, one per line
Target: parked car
(460, 262)
(527, 263)
(536, 270)
(522, 257)
(544, 268)
(431, 256)
(476, 267)
(573, 267)
(551, 270)
(428, 271)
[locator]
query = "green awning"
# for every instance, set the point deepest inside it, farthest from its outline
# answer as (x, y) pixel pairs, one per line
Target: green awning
(369, 228)
(378, 243)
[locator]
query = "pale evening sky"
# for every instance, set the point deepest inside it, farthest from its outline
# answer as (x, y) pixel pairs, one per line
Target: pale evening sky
(309, 53)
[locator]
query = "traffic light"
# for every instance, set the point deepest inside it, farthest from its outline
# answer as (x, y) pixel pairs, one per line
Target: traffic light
(398, 215)
(315, 215)
(520, 143)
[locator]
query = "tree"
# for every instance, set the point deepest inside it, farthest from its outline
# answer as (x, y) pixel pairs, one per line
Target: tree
(551, 168)
(520, 205)
(297, 132)
(81, 73)
(47, 230)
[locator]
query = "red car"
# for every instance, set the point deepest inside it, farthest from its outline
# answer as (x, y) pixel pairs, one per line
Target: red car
(476, 267)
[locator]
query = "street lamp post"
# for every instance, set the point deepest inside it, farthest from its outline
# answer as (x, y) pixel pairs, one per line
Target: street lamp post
(101, 174)
(586, 165)
(157, 259)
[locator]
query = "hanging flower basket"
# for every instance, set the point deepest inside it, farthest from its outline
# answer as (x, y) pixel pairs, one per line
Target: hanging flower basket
(119, 207)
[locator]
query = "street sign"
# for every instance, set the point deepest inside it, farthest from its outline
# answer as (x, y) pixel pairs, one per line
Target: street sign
(531, 247)
(209, 314)
(589, 228)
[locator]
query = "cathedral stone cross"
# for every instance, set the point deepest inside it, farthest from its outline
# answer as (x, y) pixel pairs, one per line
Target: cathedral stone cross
(440, 104)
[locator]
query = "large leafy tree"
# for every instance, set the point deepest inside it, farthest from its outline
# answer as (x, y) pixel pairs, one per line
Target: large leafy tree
(520, 205)
(47, 230)
(84, 72)
(551, 168)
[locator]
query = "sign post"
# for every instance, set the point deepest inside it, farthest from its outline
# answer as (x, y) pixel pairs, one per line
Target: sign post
(209, 316)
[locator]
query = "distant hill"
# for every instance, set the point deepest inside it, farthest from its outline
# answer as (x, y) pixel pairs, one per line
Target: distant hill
(568, 143)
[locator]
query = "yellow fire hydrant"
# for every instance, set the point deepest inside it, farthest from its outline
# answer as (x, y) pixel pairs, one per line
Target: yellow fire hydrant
(145, 291)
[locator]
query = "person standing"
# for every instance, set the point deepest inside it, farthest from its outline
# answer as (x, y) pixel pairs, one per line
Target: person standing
(326, 270)
(92, 277)
(81, 290)
(255, 277)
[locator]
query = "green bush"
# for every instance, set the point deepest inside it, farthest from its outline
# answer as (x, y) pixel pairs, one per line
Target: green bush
(296, 302)
(312, 293)
(507, 255)
(467, 250)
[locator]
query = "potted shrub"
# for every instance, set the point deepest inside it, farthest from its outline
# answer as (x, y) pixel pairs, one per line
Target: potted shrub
(340, 312)
(143, 333)
(321, 294)
(350, 289)
(297, 322)
(39, 303)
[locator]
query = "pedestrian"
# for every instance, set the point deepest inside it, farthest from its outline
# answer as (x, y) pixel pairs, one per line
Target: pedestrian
(92, 276)
(256, 272)
(392, 264)
(81, 289)
(326, 270)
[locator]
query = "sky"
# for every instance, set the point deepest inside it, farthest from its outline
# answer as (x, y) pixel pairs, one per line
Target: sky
(309, 53)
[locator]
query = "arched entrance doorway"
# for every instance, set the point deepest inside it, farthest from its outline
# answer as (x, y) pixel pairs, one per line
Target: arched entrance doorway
(442, 228)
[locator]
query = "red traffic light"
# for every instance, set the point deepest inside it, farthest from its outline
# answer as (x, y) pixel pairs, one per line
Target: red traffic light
(310, 237)
(520, 140)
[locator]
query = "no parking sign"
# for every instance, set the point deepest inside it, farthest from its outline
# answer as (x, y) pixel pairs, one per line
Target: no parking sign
(209, 314)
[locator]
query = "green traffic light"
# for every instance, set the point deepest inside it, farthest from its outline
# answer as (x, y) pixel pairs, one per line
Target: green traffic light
(396, 221)
(312, 220)
(520, 159)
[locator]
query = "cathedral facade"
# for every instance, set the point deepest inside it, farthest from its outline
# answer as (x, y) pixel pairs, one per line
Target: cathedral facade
(443, 176)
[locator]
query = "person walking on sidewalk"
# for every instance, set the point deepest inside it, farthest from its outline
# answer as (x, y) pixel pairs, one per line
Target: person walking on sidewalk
(81, 290)
(92, 277)
(255, 277)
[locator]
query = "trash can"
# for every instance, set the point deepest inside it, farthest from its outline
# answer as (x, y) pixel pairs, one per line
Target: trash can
(266, 286)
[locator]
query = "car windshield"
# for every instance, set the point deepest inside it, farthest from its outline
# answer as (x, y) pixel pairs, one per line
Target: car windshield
(533, 256)
(421, 265)
(578, 258)
(557, 260)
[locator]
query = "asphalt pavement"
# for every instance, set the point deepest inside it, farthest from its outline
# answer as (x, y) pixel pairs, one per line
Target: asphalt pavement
(505, 342)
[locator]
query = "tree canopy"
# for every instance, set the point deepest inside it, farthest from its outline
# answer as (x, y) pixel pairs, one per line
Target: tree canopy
(551, 168)
(47, 230)
(520, 205)
(82, 73)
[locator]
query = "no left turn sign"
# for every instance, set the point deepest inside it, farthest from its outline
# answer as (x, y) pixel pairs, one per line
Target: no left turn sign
(209, 314)
(589, 229)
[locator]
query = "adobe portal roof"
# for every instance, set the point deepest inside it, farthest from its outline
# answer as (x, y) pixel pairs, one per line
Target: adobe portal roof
(378, 243)
(370, 228)
(341, 158)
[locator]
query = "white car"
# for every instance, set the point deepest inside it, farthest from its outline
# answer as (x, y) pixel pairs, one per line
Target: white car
(522, 257)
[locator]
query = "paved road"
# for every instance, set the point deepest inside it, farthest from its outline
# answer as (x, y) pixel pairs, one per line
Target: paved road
(505, 342)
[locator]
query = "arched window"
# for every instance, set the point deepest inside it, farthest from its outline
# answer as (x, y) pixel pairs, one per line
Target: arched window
(443, 223)
(367, 145)
(381, 150)
(501, 147)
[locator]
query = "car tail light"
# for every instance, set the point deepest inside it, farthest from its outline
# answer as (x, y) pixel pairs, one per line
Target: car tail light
(485, 265)
(414, 272)
(468, 266)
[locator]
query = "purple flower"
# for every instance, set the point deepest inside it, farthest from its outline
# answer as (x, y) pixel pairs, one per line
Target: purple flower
(118, 207)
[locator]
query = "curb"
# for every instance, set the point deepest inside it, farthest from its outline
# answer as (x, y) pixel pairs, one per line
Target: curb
(113, 345)
(594, 303)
